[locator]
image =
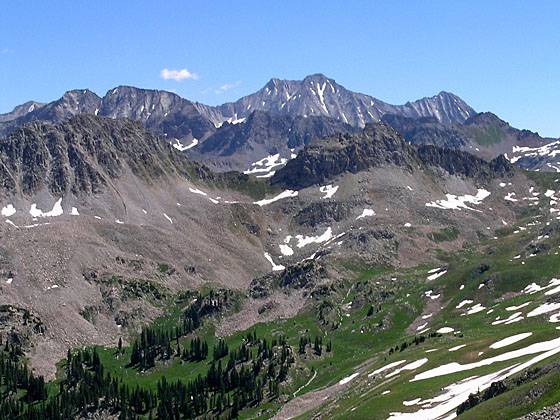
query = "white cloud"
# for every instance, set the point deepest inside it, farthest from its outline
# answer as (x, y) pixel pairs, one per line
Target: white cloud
(227, 86)
(178, 75)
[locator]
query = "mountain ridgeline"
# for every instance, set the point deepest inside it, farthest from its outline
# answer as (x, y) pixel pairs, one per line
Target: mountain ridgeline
(378, 145)
(84, 154)
(284, 116)
(367, 246)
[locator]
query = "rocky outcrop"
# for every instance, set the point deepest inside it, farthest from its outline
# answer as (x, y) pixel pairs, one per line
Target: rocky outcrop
(19, 326)
(304, 275)
(323, 212)
(81, 156)
(456, 162)
(376, 145)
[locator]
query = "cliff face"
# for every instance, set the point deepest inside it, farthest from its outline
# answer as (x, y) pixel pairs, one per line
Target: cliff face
(378, 145)
(82, 154)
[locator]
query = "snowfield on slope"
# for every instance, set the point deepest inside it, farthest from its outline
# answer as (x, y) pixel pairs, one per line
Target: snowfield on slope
(454, 202)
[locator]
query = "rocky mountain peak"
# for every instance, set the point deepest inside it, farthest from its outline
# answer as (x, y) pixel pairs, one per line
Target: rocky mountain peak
(20, 111)
(486, 119)
(376, 145)
(446, 107)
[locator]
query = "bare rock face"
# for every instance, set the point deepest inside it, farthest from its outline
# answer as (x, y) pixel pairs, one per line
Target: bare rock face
(456, 162)
(237, 146)
(318, 95)
(20, 111)
(304, 275)
(19, 326)
(163, 112)
(378, 145)
(83, 154)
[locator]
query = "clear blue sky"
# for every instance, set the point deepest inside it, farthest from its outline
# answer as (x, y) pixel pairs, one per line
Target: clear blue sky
(501, 56)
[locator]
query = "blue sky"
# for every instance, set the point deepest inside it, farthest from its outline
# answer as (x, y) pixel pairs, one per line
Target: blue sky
(501, 56)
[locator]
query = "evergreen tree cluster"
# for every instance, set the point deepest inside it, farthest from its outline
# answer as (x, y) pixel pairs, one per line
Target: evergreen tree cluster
(155, 343)
(304, 341)
(235, 379)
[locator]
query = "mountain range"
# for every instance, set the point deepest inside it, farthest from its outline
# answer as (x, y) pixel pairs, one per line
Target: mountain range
(306, 251)
(271, 121)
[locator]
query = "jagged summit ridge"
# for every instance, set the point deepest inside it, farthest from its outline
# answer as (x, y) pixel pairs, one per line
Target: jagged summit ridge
(320, 95)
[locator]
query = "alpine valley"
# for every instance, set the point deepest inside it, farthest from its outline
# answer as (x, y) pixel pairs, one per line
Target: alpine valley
(304, 252)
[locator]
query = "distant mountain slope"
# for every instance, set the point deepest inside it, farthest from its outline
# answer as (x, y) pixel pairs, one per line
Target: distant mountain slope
(171, 115)
(237, 146)
(289, 114)
(162, 112)
(483, 134)
(319, 95)
(20, 110)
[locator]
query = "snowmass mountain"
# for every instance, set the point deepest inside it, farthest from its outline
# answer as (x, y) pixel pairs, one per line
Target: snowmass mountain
(319, 95)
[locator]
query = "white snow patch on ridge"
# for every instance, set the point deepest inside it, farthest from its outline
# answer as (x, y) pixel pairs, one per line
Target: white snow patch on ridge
(197, 191)
(454, 367)
(410, 366)
(543, 309)
(454, 202)
(283, 194)
(286, 250)
(463, 303)
(275, 267)
(306, 240)
(445, 330)
(56, 210)
(387, 367)
(348, 379)
(181, 147)
(436, 275)
(266, 164)
(328, 190)
(9, 210)
(366, 213)
(475, 309)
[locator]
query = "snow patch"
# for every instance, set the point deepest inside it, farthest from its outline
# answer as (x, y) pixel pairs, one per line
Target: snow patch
(8, 211)
(454, 202)
(283, 194)
(56, 210)
(510, 340)
(328, 190)
(366, 213)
